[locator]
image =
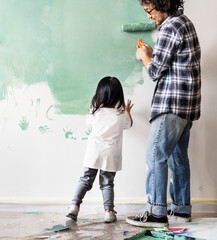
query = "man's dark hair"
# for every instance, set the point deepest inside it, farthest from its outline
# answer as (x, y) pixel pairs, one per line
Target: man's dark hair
(166, 6)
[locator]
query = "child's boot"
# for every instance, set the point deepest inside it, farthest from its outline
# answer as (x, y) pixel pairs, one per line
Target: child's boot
(73, 212)
(110, 216)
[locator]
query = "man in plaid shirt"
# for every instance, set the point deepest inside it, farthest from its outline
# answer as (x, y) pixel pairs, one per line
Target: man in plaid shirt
(174, 65)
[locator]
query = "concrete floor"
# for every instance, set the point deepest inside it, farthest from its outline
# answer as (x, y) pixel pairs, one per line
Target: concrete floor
(31, 222)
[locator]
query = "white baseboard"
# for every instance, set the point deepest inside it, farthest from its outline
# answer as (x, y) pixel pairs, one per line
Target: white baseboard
(43, 200)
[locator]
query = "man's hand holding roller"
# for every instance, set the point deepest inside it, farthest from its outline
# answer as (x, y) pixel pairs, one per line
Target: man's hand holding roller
(144, 54)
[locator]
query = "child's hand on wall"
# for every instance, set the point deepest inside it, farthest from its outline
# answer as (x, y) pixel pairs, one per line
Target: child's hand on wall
(128, 106)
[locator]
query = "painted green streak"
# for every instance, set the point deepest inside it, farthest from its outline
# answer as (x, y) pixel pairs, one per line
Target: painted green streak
(68, 44)
(34, 213)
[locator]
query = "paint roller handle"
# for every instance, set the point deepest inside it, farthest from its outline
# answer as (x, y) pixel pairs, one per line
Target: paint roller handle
(148, 49)
(144, 53)
(140, 44)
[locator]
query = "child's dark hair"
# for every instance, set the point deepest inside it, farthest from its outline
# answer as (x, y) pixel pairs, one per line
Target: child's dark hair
(168, 6)
(109, 93)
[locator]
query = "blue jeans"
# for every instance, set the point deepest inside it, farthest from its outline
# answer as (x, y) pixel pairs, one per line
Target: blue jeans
(168, 147)
(106, 182)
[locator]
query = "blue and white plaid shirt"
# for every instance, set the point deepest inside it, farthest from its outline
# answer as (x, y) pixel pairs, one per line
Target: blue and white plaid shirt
(176, 69)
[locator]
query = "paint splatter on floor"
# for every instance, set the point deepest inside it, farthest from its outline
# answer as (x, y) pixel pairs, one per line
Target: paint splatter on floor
(27, 224)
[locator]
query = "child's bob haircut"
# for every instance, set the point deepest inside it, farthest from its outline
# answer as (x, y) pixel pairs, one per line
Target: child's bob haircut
(109, 94)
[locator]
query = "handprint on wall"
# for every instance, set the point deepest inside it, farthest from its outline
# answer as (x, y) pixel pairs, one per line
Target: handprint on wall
(24, 124)
(69, 134)
(88, 132)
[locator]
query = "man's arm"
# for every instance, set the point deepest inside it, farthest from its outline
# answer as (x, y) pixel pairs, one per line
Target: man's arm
(167, 43)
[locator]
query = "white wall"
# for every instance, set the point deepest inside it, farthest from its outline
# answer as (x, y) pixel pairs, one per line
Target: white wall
(46, 169)
(203, 149)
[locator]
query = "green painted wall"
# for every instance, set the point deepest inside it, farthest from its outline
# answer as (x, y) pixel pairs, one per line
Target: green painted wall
(70, 44)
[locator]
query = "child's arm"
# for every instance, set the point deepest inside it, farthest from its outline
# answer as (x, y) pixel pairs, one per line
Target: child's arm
(128, 107)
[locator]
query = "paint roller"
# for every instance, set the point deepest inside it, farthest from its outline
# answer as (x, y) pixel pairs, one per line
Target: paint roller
(138, 27)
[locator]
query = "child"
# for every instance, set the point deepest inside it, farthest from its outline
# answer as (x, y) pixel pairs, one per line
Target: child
(109, 116)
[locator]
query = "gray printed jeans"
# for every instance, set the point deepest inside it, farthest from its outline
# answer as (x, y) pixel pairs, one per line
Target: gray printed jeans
(106, 182)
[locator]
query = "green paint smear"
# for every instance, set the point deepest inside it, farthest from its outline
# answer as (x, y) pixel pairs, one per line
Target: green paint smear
(33, 213)
(57, 228)
(70, 45)
(140, 82)
(69, 134)
(44, 129)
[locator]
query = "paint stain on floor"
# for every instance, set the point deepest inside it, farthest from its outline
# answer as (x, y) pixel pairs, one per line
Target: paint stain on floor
(28, 225)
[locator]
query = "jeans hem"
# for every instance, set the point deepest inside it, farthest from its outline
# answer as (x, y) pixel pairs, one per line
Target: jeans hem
(181, 209)
(156, 209)
(109, 207)
(76, 202)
